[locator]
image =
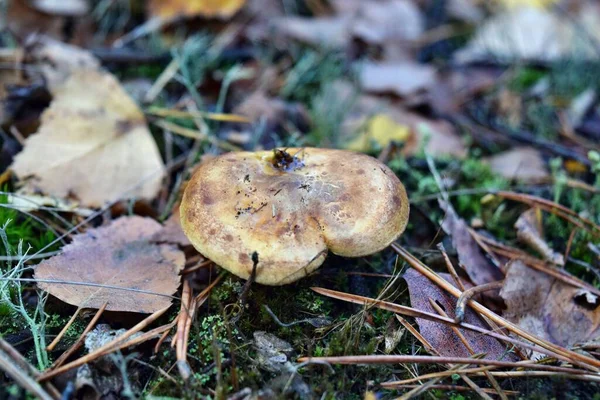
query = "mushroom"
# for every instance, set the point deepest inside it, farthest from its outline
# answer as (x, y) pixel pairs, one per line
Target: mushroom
(291, 207)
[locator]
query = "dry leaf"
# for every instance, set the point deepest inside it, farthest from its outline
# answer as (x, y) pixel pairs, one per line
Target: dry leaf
(171, 231)
(548, 308)
(33, 202)
(533, 34)
(119, 254)
(380, 131)
(401, 78)
(22, 19)
(436, 137)
(57, 60)
(471, 258)
(93, 144)
(168, 9)
(529, 231)
(521, 163)
(526, 3)
(332, 32)
(388, 21)
(442, 337)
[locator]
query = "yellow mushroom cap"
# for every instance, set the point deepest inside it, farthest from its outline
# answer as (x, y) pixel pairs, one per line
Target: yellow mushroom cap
(291, 207)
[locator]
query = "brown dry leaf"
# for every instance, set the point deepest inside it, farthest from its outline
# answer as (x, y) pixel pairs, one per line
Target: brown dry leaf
(168, 9)
(548, 308)
(401, 78)
(521, 163)
(93, 144)
(22, 19)
(470, 256)
(529, 231)
(57, 60)
(382, 22)
(442, 337)
(331, 32)
(119, 254)
(171, 231)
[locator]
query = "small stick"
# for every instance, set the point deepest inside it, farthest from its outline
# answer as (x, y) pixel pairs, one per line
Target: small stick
(570, 243)
(108, 346)
(450, 267)
(246, 289)
(466, 343)
(574, 357)
(196, 267)
(64, 356)
(186, 300)
(22, 378)
(413, 312)
(455, 388)
(60, 335)
(417, 334)
(477, 370)
(164, 336)
(21, 363)
(466, 295)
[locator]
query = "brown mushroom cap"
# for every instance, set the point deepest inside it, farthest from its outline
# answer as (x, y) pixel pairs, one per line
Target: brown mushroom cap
(291, 207)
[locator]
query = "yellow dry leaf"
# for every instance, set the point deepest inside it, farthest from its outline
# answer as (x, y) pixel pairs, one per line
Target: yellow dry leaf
(527, 3)
(93, 145)
(167, 9)
(380, 131)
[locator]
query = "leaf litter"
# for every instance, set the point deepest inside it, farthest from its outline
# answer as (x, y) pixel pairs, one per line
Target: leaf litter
(117, 255)
(405, 88)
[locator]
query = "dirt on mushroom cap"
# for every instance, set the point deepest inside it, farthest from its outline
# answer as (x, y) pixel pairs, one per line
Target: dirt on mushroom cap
(291, 211)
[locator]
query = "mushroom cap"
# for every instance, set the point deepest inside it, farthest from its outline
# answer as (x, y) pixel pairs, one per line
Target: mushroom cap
(291, 207)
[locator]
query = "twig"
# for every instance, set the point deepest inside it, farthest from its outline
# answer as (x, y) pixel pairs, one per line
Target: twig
(587, 362)
(110, 346)
(465, 342)
(412, 312)
(62, 332)
(65, 356)
(180, 341)
(466, 295)
(22, 378)
(455, 388)
(23, 364)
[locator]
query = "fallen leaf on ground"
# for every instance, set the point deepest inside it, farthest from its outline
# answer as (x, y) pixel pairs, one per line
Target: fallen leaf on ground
(93, 144)
(529, 231)
(388, 21)
(22, 19)
(471, 258)
(119, 254)
(171, 231)
(548, 308)
(442, 337)
(33, 202)
(527, 3)
(168, 9)
(402, 79)
(57, 60)
(331, 32)
(380, 131)
(436, 137)
(524, 164)
(532, 34)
